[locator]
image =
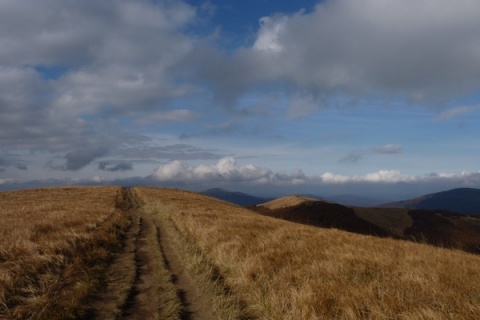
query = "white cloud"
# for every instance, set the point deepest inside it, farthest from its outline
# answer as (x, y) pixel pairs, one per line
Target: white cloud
(381, 176)
(6, 181)
(464, 178)
(423, 51)
(296, 178)
(268, 38)
(64, 63)
(226, 169)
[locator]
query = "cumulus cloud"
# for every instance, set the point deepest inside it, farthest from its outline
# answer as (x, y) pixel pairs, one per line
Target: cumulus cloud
(419, 50)
(66, 63)
(381, 176)
(268, 38)
(465, 178)
(226, 169)
(296, 178)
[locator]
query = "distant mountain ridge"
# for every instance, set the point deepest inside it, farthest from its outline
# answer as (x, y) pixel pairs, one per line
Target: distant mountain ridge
(244, 199)
(238, 198)
(461, 200)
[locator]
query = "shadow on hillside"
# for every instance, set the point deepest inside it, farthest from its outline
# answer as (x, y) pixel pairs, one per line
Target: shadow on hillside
(442, 229)
(445, 229)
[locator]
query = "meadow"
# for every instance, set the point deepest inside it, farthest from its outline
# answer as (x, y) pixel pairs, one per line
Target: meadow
(274, 269)
(55, 247)
(60, 248)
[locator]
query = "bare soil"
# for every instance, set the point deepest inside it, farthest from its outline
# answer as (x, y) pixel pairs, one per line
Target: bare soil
(137, 276)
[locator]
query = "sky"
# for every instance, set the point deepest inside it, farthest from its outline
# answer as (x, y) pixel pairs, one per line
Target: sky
(377, 98)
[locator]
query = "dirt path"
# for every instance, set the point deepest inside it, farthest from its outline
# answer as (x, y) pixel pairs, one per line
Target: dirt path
(195, 305)
(148, 281)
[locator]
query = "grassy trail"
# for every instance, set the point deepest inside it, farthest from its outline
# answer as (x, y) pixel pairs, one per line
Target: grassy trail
(148, 281)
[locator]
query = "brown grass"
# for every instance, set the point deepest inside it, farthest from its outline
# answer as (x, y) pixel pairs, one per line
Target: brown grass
(281, 270)
(55, 245)
(288, 201)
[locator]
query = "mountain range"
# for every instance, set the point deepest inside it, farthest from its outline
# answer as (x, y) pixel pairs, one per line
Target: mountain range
(461, 200)
(235, 197)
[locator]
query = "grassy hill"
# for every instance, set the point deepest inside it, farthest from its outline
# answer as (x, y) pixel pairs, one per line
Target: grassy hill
(57, 243)
(439, 228)
(276, 269)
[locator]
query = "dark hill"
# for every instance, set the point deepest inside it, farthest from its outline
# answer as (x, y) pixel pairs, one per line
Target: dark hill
(462, 200)
(323, 214)
(440, 228)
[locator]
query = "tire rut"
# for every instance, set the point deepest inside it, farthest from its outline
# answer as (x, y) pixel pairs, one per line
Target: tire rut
(148, 281)
(120, 277)
(194, 305)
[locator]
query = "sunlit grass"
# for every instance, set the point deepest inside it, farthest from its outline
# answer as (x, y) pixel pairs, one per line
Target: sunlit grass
(281, 270)
(55, 245)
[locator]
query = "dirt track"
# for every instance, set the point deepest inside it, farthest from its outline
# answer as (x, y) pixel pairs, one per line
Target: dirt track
(147, 281)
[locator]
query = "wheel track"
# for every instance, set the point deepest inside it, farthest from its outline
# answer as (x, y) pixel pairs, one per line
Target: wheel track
(120, 278)
(148, 281)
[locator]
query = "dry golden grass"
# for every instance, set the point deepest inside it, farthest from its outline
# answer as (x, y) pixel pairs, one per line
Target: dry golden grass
(288, 201)
(55, 245)
(281, 270)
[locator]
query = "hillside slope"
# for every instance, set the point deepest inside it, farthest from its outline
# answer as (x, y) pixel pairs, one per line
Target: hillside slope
(274, 269)
(318, 213)
(434, 227)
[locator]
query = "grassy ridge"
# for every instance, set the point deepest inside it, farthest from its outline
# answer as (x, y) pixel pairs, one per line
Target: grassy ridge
(55, 245)
(281, 270)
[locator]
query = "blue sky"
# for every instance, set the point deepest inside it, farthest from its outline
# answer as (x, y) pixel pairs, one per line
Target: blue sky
(365, 97)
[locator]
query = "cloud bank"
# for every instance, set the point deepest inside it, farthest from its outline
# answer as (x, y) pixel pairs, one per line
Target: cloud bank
(228, 170)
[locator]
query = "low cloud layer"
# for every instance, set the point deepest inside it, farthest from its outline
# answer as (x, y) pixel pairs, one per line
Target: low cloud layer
(228, 170)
